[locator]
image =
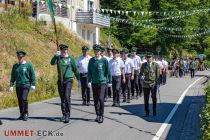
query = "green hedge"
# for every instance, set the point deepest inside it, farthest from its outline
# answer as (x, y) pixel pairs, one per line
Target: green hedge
(205, 116)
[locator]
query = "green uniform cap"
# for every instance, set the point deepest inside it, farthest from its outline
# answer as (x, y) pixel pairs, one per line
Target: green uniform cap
(125, 51)
(109, 49)
(20, 53)
(134, 49)
(149, 54)
(96, 47)
(85, 48)
(102, 49)
(63, 47)
(115, 51)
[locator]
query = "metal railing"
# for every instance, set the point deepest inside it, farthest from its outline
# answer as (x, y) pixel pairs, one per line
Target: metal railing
(91, 17)
(61, 12)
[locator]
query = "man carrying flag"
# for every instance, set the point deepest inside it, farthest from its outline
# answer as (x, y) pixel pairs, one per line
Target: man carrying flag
(65, 79)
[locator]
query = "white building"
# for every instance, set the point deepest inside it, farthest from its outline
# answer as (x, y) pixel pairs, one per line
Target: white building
(77, 15)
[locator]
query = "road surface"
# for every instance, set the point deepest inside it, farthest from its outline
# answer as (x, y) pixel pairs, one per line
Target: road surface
(124, 123)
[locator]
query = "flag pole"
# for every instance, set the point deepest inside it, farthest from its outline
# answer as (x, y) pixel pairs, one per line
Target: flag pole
(50, 6)
(58, 49)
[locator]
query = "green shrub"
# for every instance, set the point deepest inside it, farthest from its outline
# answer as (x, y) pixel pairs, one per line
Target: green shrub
(205, 116)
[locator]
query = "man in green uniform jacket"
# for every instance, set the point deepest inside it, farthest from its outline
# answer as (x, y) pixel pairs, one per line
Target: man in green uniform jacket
(192, 68)
(23, 76)
(68, 67)
(98, 76)
(149, 73)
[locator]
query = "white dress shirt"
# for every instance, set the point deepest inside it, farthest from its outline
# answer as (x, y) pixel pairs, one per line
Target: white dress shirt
(82, 63)
(136, 62)
(115, 66)
(128, 65)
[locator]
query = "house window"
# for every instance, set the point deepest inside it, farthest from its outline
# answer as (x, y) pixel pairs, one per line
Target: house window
(90, 5)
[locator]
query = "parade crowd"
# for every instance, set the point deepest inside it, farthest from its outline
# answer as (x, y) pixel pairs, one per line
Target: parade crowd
(111, 73)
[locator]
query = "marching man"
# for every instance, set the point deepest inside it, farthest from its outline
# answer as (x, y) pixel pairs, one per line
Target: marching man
(68, 67)
(82, 64)
(150, 73)
(98, 77)
(23, 76)
(129, 75)
(116, 66)
(137, 65)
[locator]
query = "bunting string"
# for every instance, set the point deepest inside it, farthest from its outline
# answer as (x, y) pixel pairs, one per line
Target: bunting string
(188, 36)
(134, 23)
(150, 13)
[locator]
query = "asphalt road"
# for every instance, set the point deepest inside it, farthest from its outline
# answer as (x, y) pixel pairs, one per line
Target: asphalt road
(124, 123)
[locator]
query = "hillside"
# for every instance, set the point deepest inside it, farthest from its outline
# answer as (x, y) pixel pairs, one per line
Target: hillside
(19, 33)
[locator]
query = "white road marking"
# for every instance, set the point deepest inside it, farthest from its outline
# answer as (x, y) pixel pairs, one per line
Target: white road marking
(173, 111)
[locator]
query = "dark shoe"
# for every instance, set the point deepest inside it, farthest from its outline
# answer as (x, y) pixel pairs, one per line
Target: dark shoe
(128, 101)
(124, 100)
(25, 117)
(101, 119)
(20, 118)
(67, 118)
(88, 103)
(83, 103)
(97, 118)
(63, 118)
(113, 104)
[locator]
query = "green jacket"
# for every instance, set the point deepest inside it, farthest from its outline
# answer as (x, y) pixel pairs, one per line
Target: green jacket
(192, 65)
(23, 75)
(68, 67)
(151, 74)
(98, 71)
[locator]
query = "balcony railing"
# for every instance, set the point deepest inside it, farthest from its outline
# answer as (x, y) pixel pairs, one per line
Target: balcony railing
(91, 17)
(61, 12)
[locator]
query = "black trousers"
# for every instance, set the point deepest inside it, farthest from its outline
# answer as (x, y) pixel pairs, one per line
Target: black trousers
(126, 86)
(108, 92)
(85, 88)
(135, 83)
(140, 87)
(22, 95)
(164, 76)
(181, 72)
(192, 73)
(65, 96)
(147, 92)
(98, 97)
(116, 85)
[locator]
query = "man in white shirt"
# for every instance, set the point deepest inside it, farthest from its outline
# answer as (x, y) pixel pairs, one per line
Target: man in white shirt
(160, 66)
(108, 89)
(82, 64)
(116, 66)
(129, 75)
(137, 65)
(164, 71)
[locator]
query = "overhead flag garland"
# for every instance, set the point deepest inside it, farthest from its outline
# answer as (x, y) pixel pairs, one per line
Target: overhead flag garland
(188, 36)
(165, 19)
(137, 23)
(150, 13)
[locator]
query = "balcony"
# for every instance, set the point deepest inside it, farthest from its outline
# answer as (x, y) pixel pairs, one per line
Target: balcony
(60, 12)
(90, 17)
